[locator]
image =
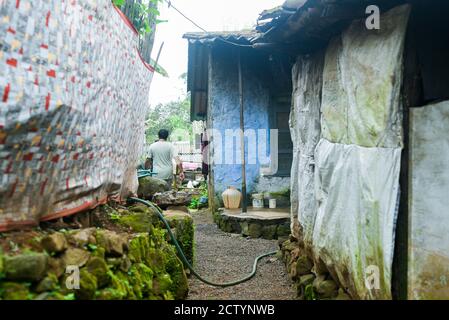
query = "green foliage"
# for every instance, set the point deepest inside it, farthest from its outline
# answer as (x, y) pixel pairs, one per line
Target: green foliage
(173, 116)
(143, 14)
(194, 204)
(118, 3)
(309, 293)
(92, 247)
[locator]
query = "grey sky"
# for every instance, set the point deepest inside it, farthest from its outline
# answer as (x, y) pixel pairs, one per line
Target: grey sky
(213, 15)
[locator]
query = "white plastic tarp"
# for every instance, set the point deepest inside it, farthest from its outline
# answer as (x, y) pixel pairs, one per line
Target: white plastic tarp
(429, 202)
(305, 130)
(351, 220)
(362, 83)
(357, 191)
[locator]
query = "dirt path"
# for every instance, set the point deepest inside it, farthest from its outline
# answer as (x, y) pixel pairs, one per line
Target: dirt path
(223, 257)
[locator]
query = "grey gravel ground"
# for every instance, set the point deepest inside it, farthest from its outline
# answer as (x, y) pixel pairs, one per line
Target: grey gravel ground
(223, 257)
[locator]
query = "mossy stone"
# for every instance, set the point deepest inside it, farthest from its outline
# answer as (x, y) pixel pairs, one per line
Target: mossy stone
(49, 283)
(26, 267)
(245, 228)
(112, 242)
(54, 243)
(14, 291)
(117, 289)
(283, 230)
(269, 232)
(254, 230)
(54, 295)
(162, 284)
(55, 266)
(306, 279)
(88, 286)
(138, 248)
(75, 257)
(184, 232)
(98, 267)
(327, 289)
(139, 219)
(148, 186)
(174, 267)
(303, 265)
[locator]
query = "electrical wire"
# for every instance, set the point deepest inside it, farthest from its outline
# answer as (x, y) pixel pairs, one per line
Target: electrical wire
(187, 263)
(170, 5)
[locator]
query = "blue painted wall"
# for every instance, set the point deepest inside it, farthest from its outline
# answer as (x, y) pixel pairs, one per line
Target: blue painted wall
(225, 113)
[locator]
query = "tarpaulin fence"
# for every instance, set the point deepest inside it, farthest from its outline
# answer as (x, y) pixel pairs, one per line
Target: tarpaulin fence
(347, 152)
(73, 98)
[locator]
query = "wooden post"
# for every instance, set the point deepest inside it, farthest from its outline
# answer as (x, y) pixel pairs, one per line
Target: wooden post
(242, 135)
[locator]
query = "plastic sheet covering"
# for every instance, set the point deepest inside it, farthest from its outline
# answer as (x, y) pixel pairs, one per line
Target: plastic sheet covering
(429, 202)
(357, 191)
(362, 83)
(305, 130)
(74, 93)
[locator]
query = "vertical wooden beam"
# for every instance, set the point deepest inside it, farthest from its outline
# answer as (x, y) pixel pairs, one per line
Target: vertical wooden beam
(209, 126)
(242, 134)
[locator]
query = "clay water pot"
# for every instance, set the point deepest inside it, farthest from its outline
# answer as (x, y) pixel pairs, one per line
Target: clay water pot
(231, 198)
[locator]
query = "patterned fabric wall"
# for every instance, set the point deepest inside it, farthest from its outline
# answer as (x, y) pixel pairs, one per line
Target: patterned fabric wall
(73, 98)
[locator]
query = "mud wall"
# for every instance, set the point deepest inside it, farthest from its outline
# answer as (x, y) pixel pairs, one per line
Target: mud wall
(225, 115)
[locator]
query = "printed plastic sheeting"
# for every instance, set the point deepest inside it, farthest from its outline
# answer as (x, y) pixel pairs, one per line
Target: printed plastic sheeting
(74, 94)
(429, 202)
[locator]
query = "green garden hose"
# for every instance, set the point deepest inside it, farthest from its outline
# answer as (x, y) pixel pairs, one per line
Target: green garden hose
(187, 263)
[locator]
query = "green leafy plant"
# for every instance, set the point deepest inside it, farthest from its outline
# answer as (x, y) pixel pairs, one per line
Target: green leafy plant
(92, 247)
(114, 216)
(309, 293)
(70, 296)
(143, 14)
(194, 204)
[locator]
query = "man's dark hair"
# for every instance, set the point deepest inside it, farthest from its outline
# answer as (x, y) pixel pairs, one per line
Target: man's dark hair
(163, 134)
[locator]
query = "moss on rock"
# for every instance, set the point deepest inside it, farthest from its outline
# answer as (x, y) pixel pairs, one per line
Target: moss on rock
(88, 286)
(14, 291)
(184, 231)
(98, 268)
(27, 267)
(140, 220)
(113, 265)
(174, 267)
(49, 283)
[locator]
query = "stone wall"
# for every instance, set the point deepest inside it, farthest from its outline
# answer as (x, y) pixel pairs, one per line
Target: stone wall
(310, 285)
(133, 261)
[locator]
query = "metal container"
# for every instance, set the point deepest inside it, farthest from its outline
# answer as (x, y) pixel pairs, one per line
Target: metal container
(258, 200)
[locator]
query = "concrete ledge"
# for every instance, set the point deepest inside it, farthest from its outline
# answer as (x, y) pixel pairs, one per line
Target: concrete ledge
(256, 223)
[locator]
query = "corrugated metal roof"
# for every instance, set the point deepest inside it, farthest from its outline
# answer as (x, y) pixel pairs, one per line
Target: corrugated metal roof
(241, 37)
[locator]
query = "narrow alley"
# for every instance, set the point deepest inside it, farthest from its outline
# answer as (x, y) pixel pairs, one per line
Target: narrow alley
(222, 257)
